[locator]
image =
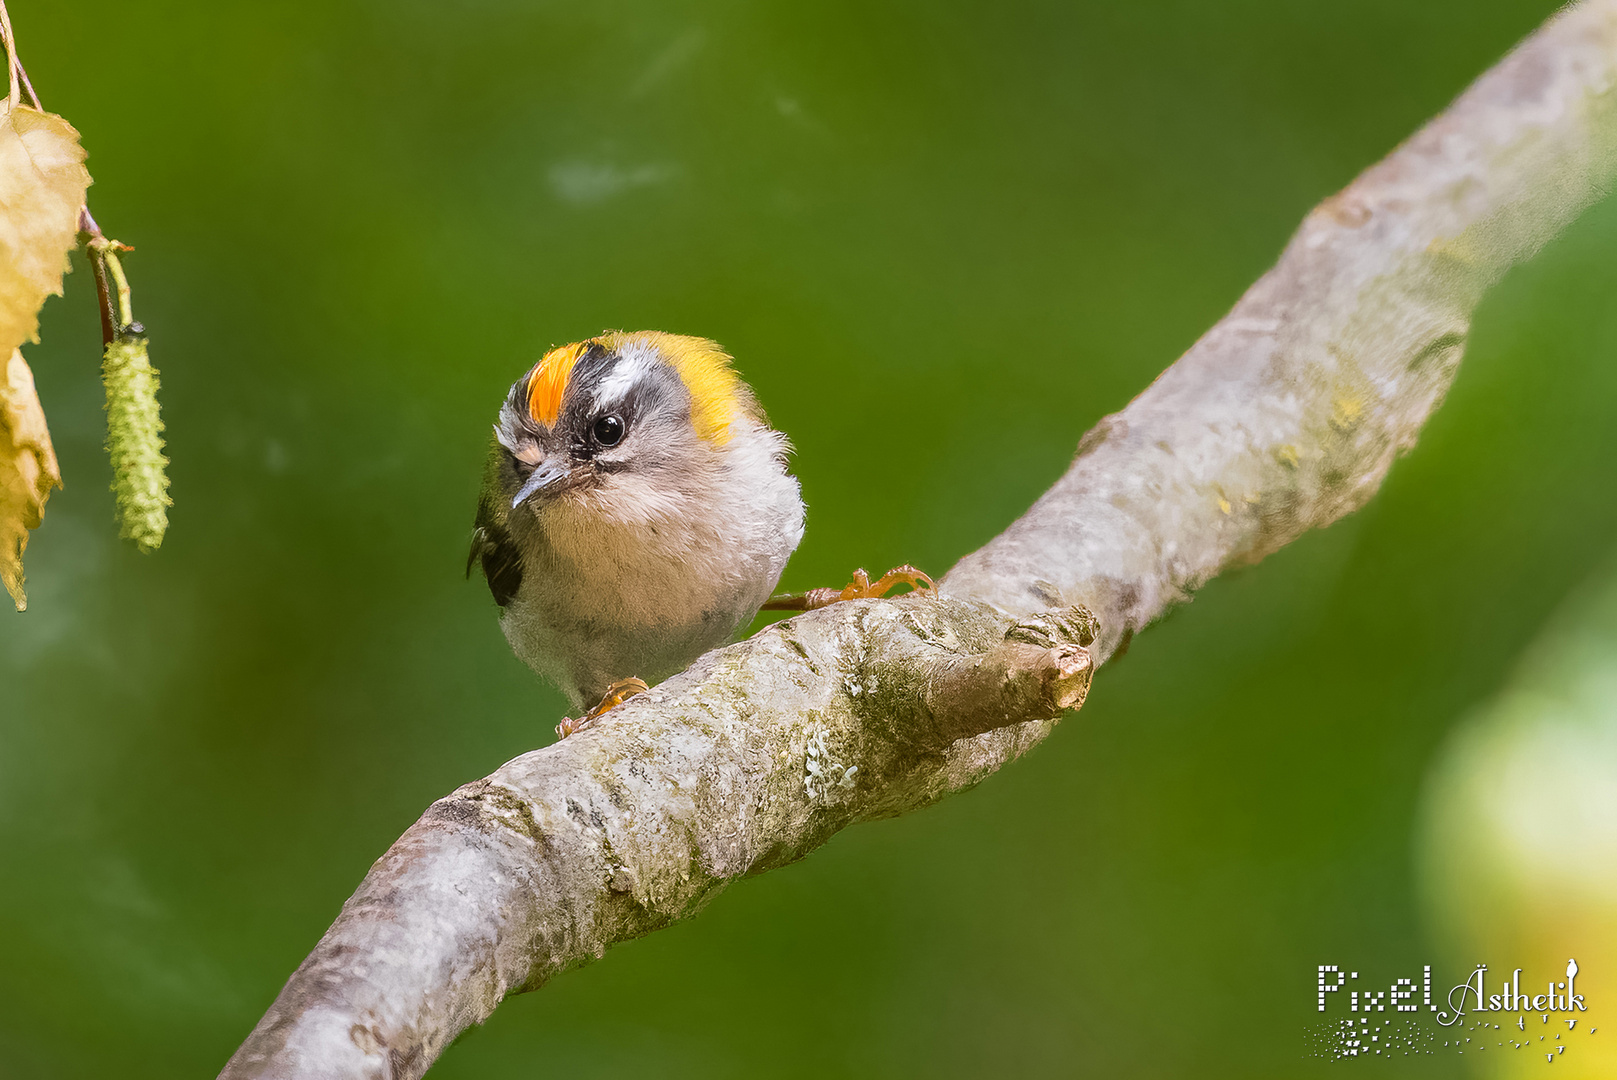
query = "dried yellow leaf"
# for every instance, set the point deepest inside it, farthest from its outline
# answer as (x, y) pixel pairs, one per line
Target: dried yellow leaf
(42, 183)
(28, 470)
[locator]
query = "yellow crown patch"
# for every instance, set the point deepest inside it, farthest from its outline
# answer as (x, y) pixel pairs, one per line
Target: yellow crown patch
(716, 391)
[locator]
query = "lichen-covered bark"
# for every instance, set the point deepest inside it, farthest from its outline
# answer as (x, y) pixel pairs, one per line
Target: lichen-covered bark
(747, 761)
(1284, 417)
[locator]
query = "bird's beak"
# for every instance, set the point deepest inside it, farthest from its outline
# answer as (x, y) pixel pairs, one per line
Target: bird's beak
(551, 474)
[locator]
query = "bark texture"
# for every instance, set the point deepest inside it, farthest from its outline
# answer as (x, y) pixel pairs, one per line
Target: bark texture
(1283, 418)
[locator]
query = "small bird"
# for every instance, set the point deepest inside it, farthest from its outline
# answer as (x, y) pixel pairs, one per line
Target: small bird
(636, 512)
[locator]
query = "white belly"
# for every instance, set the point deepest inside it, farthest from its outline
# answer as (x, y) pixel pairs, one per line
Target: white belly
(606, 598)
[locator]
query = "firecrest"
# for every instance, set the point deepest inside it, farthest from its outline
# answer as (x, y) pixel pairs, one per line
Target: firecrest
(636, 512)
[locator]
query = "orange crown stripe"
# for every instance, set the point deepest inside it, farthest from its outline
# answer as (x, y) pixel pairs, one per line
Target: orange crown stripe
(547, 383)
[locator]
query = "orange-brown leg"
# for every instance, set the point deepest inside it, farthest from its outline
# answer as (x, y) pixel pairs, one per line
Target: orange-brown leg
(615, 695)
(861, 588)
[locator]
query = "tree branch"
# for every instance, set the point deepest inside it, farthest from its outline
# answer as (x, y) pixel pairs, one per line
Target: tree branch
(1283, 418)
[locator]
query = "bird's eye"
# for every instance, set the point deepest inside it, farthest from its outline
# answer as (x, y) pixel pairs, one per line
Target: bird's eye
(609, 430)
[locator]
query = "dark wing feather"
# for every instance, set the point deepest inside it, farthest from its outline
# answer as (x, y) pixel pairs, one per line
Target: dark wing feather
(502, 562)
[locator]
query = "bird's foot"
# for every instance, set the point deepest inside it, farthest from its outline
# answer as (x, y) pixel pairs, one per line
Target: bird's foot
(861, 588)
(615, 695)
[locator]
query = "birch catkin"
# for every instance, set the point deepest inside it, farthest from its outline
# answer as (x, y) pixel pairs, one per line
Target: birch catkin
(135, 443)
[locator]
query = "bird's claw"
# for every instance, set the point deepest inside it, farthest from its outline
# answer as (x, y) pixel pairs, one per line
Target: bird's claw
(861, 588)
(615, 695)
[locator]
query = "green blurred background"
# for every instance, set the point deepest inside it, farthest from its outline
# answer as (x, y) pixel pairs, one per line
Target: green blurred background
(942, 240)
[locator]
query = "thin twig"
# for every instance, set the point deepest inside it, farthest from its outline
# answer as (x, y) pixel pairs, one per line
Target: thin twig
(111, 286)
(18, 74)
(103, 289)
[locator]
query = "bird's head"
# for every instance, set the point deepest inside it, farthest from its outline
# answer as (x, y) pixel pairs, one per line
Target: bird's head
(619, 425)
